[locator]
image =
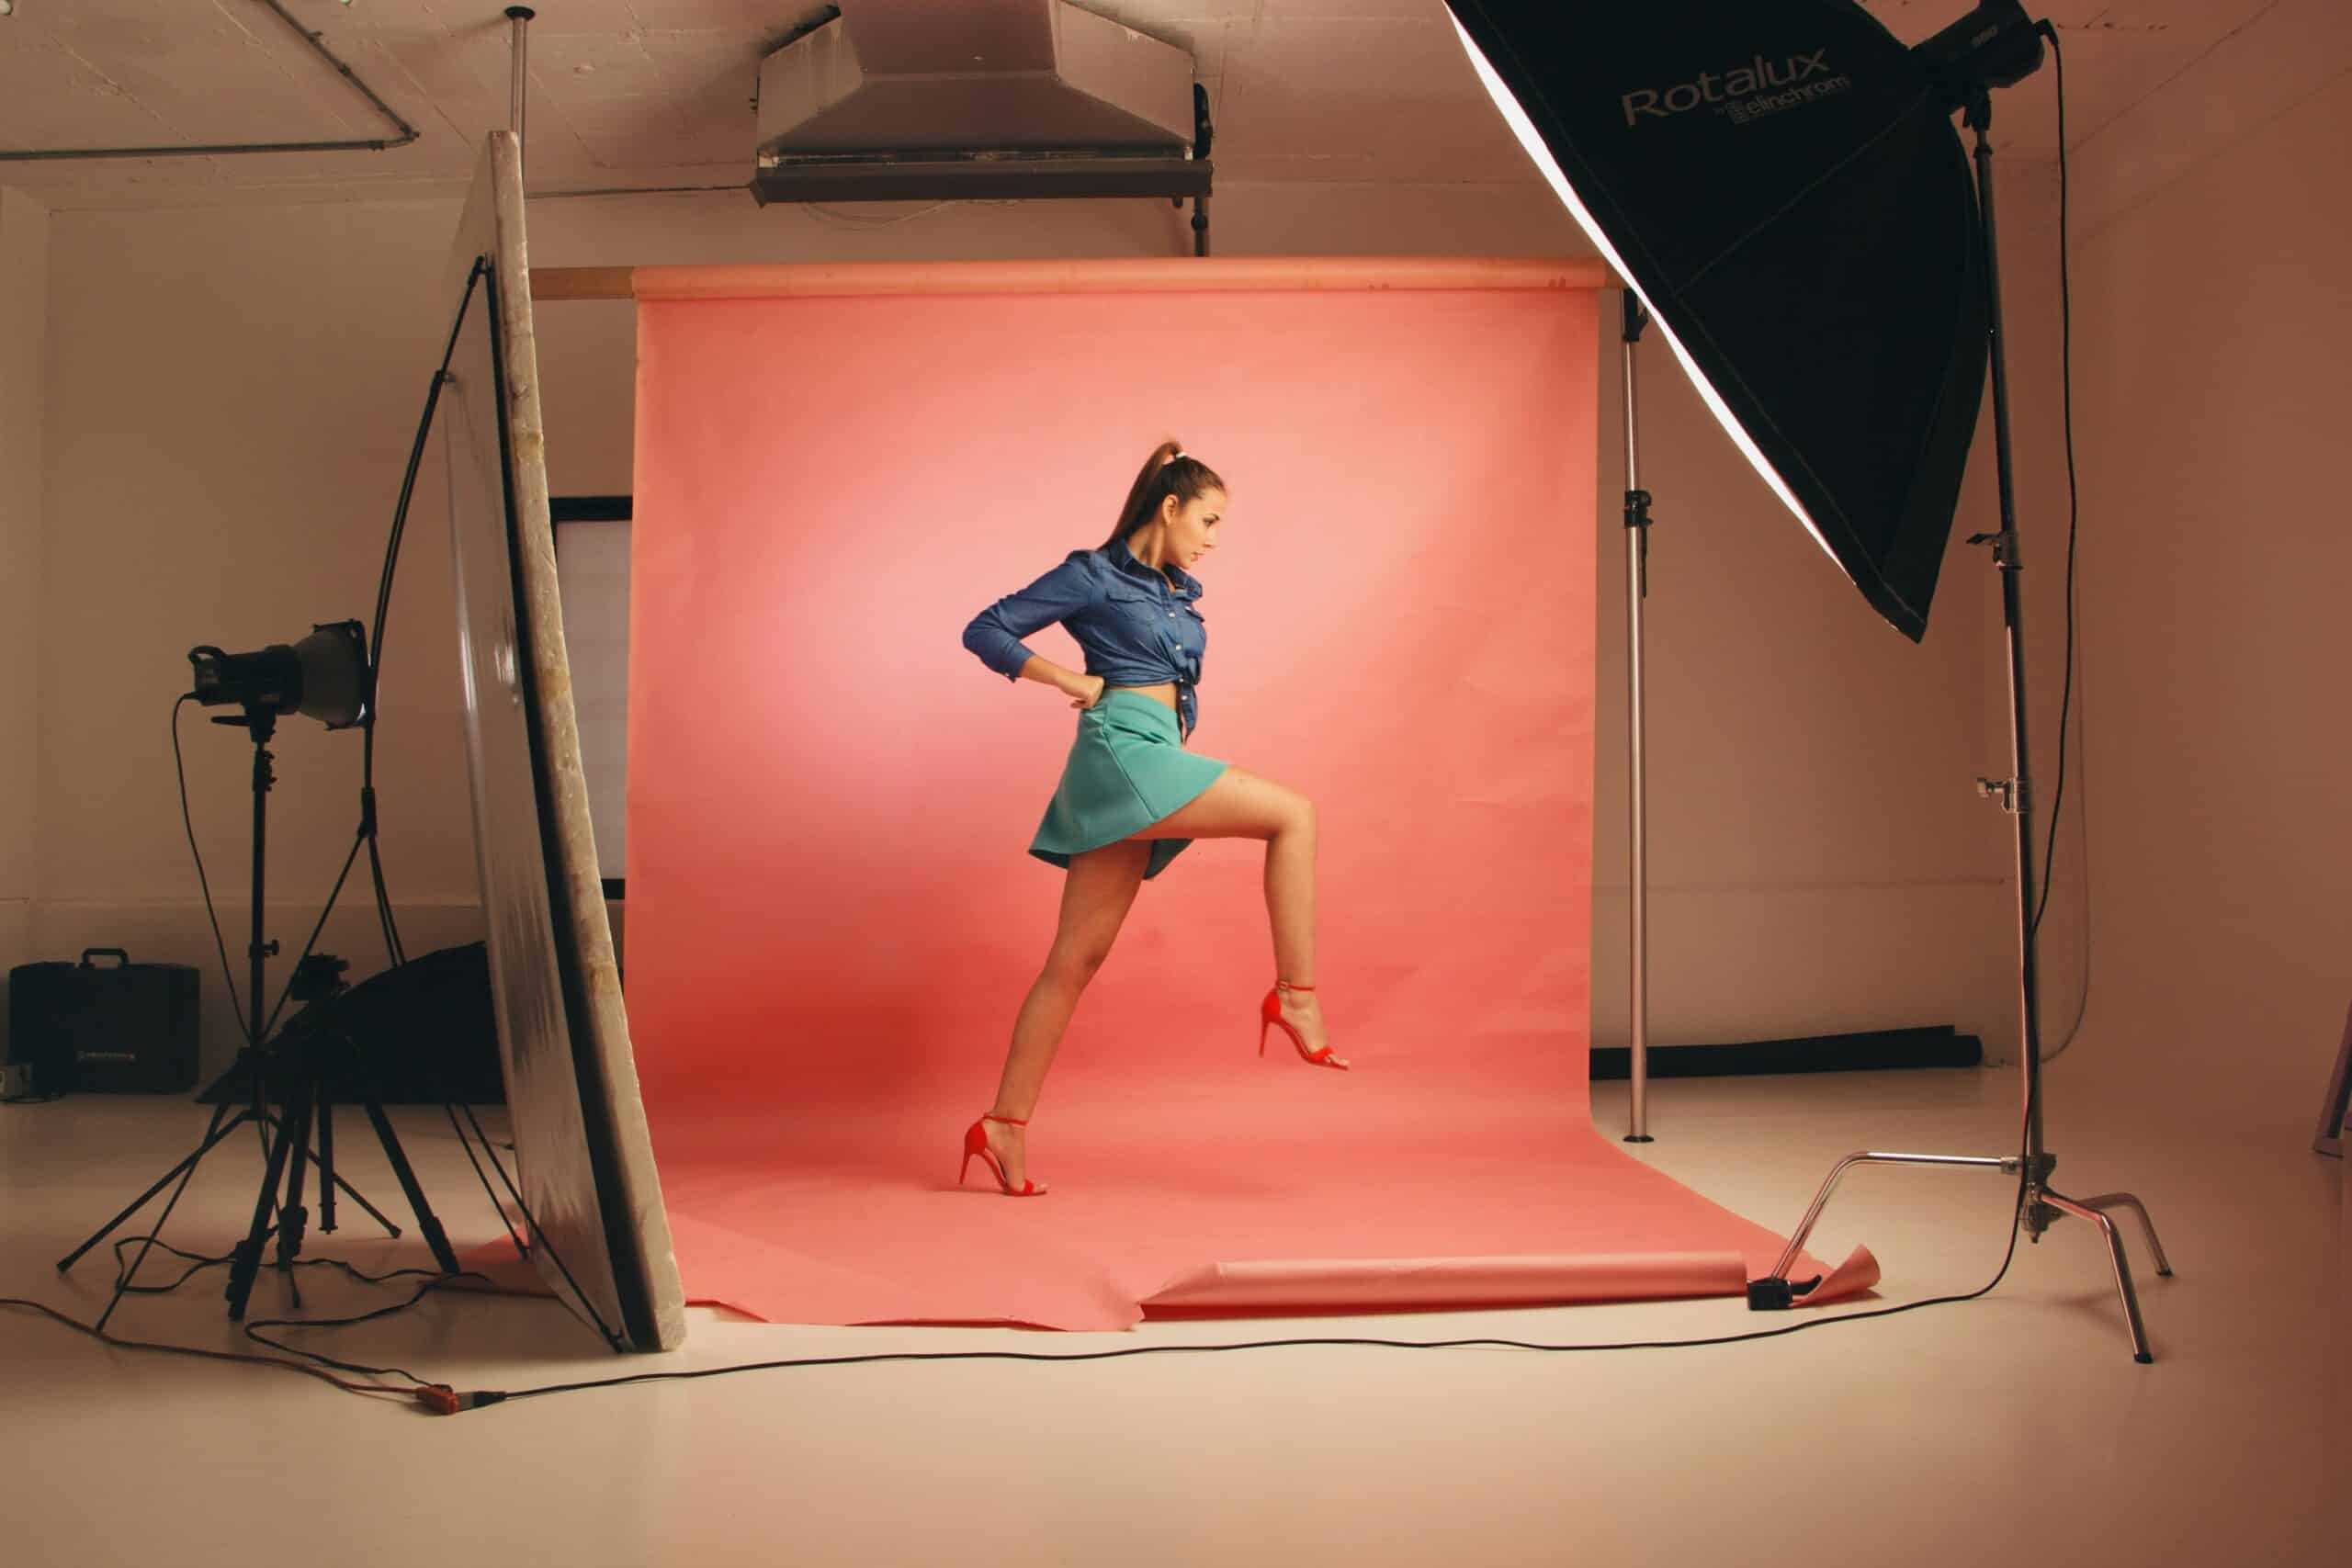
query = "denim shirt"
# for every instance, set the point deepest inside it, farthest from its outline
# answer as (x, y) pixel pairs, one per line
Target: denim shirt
(1138, 628)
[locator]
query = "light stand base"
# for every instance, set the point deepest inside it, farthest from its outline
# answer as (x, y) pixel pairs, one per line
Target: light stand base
(2038, 1204)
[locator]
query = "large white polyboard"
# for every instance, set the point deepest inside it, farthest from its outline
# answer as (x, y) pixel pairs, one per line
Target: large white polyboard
(586, 1166)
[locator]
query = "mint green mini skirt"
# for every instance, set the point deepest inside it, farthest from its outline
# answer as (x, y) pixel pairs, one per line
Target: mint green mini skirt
(1128, 769)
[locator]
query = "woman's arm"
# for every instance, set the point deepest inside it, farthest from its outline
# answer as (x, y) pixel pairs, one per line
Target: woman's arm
(1041, 668)
(994, 635)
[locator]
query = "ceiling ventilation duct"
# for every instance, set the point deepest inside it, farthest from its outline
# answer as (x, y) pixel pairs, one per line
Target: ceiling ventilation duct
(909, 100)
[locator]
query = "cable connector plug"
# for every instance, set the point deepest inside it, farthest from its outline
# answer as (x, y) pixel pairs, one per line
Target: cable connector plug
(1772, 1293)
(442, 1400)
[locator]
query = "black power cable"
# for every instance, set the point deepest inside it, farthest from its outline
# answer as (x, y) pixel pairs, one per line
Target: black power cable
(309, 1363)
(443, 1399)
(2073, 497)
(179, 766)
(479, 1398)
(2074, 521)
(368, 834)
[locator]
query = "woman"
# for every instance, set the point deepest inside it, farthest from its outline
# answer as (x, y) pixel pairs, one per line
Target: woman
(1131, 796)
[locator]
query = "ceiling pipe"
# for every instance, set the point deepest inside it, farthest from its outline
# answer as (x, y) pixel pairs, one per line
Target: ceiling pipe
(407, 132)
(519, 93)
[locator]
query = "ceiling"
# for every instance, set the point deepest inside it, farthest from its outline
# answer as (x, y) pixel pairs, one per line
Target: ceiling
(633, 94)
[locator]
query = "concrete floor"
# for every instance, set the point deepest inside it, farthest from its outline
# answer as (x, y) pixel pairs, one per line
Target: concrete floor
(1974, 1434)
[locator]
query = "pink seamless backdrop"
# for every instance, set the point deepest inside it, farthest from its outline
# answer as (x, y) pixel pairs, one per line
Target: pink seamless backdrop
(829, 799)
(833, 915)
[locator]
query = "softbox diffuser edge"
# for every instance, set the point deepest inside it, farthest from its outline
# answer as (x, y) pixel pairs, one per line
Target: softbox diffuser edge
(1783, 187)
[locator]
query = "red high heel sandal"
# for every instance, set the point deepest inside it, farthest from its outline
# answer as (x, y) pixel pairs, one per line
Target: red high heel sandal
(976, 1142)
(1270, 1015)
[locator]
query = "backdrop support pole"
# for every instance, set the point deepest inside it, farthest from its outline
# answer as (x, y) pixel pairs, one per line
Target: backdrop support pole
(1637, 546)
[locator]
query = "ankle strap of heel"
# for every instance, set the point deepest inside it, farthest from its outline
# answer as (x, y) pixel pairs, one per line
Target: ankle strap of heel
(1288, 985)
(1009, 1121)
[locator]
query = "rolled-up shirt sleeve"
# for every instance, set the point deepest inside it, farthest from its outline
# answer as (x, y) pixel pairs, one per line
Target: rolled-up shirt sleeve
(995, 634)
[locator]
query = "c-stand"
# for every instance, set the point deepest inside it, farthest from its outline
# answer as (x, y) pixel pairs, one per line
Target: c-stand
(2040, 1205)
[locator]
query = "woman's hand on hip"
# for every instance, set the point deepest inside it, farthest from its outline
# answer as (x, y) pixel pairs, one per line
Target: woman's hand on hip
(1085, 691)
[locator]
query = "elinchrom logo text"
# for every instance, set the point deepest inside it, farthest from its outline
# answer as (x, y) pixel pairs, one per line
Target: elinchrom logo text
(1739, 92)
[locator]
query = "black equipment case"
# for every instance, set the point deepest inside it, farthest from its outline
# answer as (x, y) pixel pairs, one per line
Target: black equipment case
(119, 1028)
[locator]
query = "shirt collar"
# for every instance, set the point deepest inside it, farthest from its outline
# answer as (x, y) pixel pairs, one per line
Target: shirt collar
(1184, 585)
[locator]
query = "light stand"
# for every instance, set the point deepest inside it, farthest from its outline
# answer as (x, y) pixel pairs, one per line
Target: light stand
(1638, 558)
(322, 678)
(2039, 1205)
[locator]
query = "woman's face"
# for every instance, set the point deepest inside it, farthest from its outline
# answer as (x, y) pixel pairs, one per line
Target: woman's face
(1190, 527)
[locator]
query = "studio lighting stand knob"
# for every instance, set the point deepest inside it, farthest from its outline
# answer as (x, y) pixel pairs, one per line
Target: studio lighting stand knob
(2011, 791)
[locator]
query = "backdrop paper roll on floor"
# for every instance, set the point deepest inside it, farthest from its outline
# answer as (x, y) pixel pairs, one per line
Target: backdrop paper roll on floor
(832, 917)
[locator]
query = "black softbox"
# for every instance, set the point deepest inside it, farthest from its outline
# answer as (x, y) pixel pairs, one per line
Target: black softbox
(1781, 183)
(422, 1032)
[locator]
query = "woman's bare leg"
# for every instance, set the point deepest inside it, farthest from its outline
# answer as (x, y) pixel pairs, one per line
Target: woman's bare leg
(1240, 804)
(1097, 892)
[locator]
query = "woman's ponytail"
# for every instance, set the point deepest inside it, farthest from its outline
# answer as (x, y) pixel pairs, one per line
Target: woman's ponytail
(1170, 470)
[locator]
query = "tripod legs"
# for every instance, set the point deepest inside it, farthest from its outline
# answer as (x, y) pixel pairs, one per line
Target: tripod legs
(425, 1219)
(223, 1125)
(292, 1217)
(330, 1179)
(286, 1160)
(287, 1140)
(245, 1261)
(218, 1132)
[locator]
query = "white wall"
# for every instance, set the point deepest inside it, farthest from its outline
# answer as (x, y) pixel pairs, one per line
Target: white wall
(1818, 861)
(232, 394)
(2213, 324)
(24, 299)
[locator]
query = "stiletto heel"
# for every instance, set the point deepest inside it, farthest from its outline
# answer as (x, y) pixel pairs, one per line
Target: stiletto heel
(976, 1142)
(1270, 1016)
